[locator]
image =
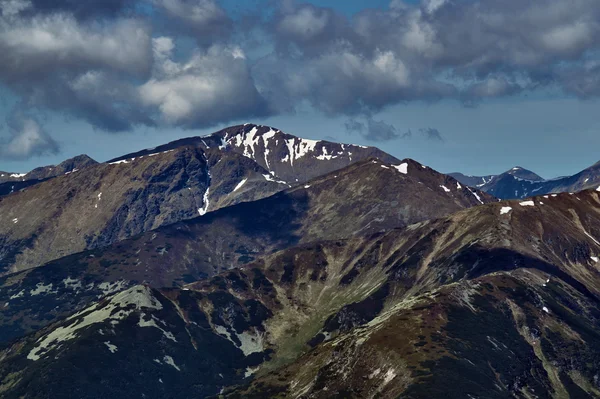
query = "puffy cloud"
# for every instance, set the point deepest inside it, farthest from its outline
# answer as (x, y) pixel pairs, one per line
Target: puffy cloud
(468, 50)
(26, 139)
(343, 81)
(57, 62)
(35, 47)
(212, 86)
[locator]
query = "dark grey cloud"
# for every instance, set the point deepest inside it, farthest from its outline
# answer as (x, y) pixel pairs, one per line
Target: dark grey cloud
(373, 130)
(467, 50)
(204, 20)
(431, 133)
(84, 9)
(26, 138)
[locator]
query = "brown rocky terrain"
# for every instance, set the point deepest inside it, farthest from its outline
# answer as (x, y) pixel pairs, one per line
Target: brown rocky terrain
(495, 301)
(93, 205)
(101, 204)
(363, 198)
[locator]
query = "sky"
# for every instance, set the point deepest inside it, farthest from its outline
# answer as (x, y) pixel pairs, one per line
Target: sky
(476, 86)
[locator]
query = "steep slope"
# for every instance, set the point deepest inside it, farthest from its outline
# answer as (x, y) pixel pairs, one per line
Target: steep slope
(521, 183)
(364, 198)
(46, 172)
(496, 301)
(288, 158)
(471, 181)
(104, 203)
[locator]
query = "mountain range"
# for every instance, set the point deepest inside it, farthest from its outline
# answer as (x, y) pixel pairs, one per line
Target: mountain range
(251, 263)
(519, 183)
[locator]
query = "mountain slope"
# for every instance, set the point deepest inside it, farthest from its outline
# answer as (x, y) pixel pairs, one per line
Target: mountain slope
(471, 181)
(364, 198)
(101, 204)
(500, 300)
(104, 203)
(46, 172)
(521, 183)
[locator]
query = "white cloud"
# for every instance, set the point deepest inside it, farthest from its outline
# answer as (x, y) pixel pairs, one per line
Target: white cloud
(27, 139)
(211, 86)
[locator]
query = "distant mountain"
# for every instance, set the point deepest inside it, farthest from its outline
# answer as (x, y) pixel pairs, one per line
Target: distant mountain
(14, 182)
(45, 172)
(521, 183)
(290, 158)
(472, 181)
(335, 206)
(500, 300)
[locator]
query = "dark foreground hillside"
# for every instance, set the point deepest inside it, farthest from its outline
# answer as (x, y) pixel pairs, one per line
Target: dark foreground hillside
(499, 300)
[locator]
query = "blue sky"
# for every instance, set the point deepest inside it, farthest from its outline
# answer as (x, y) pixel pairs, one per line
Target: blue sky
(496, 84)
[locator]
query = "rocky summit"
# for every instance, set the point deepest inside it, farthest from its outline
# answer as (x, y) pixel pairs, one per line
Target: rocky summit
(250, 263)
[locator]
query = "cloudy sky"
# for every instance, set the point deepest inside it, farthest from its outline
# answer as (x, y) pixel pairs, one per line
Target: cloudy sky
(461, 85)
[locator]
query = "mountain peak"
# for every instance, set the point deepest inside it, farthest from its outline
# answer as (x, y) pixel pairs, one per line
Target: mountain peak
(523, 173)
(290, 158)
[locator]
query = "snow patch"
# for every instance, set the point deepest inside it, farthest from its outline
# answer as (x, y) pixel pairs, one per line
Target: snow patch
(239, 185)
(476, 195)
(112, 348)
(169, 360)
(446, 189)
(250, 343)
(40, 288)
(152, 323)
(109, 288)
(325, 155)
(402, 168)
(270, 178)
(202, 211)
(505, 209)
(527, 203)
(250, 370)
(72, 283)
(19, 295)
